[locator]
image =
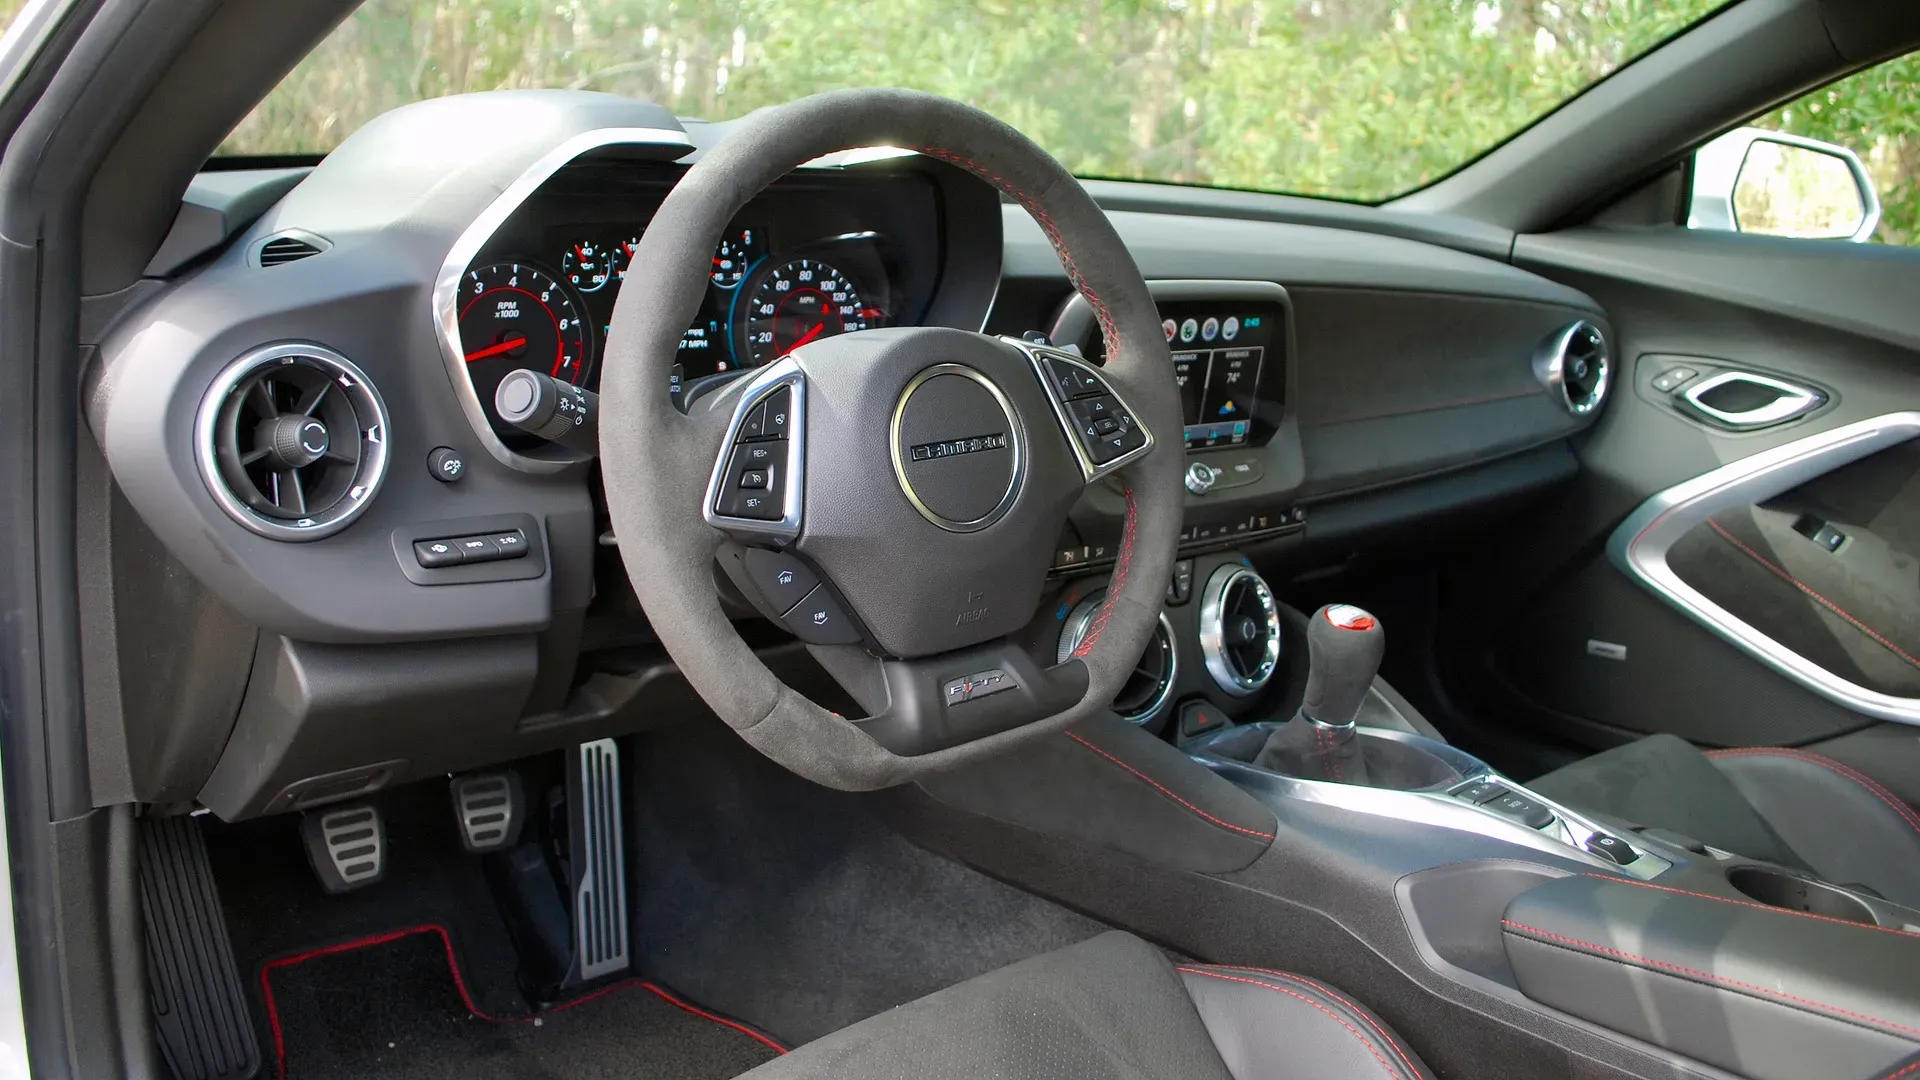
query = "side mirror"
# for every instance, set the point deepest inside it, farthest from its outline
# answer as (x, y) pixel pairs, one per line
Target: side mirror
(1764, 182)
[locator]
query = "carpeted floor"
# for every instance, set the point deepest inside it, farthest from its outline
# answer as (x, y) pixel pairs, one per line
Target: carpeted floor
(394, 1006)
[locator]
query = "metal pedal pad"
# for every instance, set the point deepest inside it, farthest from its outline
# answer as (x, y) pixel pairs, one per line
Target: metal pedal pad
(347, 845)
(490, 809)
(598, 861)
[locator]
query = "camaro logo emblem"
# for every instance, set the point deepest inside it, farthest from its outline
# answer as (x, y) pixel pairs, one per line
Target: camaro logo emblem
(955, 447)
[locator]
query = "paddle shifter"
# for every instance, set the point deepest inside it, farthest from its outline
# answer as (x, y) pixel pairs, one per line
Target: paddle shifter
(1344, 647)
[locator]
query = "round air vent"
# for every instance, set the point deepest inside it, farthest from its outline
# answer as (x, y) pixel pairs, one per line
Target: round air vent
(1146, 689)
(1239, 630)
(1573, 364)
(292, 441)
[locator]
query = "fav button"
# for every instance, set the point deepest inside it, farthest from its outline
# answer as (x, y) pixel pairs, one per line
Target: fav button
(818, 619)
(783, 579)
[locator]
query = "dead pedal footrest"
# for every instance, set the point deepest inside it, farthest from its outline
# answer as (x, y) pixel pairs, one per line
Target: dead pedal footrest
(199, 1016)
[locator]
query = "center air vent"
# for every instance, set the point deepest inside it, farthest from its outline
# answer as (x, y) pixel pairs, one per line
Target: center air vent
(1239, 630)
(292, 441)
(1573, 364)
(289, 248)
(1145, 692)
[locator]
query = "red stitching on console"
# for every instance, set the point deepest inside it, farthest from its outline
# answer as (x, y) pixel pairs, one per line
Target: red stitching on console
(1748, 903)
(1121, 565)
(1809, 590)
(1354, 1031)
(1162, 789)
(1358, 1012)
(1764, 992)
(1839, 768)
(460, 986)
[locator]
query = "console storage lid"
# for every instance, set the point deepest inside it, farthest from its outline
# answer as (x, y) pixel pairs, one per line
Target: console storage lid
(1763, 992)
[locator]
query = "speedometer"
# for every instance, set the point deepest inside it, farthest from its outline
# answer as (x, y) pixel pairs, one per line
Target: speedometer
(797, 302)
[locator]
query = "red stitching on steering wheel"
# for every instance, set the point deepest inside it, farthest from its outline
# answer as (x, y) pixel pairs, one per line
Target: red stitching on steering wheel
(1120, 567)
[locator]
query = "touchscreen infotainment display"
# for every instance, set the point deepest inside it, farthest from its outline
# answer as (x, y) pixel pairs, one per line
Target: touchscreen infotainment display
(1221, 358)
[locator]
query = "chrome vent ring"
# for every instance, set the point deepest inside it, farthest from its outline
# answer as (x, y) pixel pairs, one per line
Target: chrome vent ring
(1145, 693)
(1574, 365)
(1239, 630)
(291, 441)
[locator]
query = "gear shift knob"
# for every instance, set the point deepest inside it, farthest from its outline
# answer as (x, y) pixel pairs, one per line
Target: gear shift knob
(1344, 647)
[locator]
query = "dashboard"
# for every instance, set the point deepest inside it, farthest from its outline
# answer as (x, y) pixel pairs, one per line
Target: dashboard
(300, 428)
(815, 257)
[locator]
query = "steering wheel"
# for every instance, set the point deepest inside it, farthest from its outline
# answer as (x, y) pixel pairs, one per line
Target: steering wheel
(922, 474)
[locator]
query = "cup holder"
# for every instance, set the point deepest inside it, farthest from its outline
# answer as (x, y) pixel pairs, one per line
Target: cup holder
(1779, 889)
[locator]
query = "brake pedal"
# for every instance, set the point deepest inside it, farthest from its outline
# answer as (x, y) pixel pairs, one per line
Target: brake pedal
(490, 808)
(347, 845)
(597, 857)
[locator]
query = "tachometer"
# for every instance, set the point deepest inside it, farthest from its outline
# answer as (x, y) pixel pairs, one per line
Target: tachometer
(798, 302)
(515, 316)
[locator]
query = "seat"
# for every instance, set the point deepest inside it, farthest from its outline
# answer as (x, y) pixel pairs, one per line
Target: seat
(1792, 807)
(1114, 1007)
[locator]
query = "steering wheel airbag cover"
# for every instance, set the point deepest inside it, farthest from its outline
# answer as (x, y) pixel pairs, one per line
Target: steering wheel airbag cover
(655, 462)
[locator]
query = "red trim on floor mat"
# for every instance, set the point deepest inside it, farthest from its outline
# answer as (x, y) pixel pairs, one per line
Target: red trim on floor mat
(466, 998)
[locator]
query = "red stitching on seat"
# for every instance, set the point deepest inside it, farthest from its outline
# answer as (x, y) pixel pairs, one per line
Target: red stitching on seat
(1839, 768)
(1748, 903)
(460, 986)
(1162, 789)
(1122, 564)
(1358, 1012)
(1709, 976)
(1354, 1031)
(1809, 590)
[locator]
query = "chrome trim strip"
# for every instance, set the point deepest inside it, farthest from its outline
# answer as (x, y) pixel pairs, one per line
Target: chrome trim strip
(1016, 437)
(446, 286)
(1037, 356)
(752, 391)
(1549, 366)
(1793, 400)
(1640, 545)
(1213, 641)
(370, 472)
(1566, 837)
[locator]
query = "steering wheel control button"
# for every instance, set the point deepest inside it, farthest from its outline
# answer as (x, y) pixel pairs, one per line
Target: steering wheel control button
(1099, 425)
(433, 554)
(781, 578)
(753, 478)
(957, 448)
(1611, 848)
(1521, 809)
(778, 410)
(1074, 381)
(818, 619)
(754, 426)
(758, 455)
(446, 464)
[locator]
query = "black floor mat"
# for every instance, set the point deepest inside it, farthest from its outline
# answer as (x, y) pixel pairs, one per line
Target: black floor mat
(397, 1006)
(795, 907)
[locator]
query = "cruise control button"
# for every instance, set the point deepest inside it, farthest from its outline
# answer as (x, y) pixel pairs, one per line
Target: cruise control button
(435, 553)
(818, 619)
(510, 544)
(753, 478)
(477, 549)
(759, 455)
(752, 505)
(754, 426)
(779, 406)
(783, 579)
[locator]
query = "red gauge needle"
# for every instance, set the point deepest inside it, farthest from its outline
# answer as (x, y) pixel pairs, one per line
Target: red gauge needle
(508, 345)
(810, 335)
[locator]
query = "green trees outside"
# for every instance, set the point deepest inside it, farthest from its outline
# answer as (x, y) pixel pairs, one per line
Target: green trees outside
(1355, 99)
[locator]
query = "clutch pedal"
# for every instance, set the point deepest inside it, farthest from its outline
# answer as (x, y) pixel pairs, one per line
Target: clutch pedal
(491, 809)
(347, 845)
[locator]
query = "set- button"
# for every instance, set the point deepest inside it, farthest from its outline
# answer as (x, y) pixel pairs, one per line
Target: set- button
(479, 548)
(755, 486)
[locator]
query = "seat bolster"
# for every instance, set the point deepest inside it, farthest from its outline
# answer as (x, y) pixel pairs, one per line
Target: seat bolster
(1269, 1025)
(1845, 826)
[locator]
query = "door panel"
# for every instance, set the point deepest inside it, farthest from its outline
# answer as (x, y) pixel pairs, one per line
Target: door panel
(1577, 647)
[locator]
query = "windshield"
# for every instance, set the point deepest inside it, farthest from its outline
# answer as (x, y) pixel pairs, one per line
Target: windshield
(1353, 99)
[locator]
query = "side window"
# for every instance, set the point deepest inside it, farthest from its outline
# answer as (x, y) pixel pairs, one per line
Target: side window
(1840, 163)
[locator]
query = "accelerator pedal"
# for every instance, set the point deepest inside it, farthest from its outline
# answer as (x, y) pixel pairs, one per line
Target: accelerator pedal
(597, 861)
(347, 845)
(490, 809)
(199, 1015)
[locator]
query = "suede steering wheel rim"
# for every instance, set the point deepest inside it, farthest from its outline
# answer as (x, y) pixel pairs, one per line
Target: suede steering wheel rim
(889, 565)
